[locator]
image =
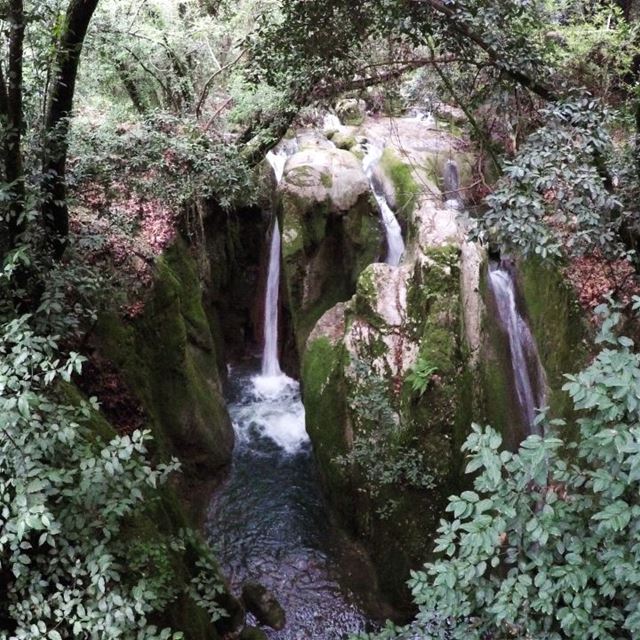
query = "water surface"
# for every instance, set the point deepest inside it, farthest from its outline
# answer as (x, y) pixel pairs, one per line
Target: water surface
(270, 524)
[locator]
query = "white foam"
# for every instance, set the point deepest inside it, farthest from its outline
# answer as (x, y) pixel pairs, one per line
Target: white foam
(278, 412)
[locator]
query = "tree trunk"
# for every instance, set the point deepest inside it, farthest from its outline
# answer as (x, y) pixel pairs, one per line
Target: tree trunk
(59, 109)
(131, 87)
(12, 142)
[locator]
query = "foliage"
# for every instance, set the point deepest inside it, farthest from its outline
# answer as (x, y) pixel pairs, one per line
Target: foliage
(552, 198)
(381, 460)
(162, 156)
(546, 545)
(420, 376)
(70, 490)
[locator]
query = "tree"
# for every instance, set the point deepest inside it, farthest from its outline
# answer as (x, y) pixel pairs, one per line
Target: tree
(58, 92)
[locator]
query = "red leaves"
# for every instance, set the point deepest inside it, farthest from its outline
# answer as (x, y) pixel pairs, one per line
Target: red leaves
(128, 230)
(594, 277)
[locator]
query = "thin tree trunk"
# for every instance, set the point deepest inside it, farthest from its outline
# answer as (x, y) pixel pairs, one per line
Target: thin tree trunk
(13, 137)
(59, 109)
(130, 87)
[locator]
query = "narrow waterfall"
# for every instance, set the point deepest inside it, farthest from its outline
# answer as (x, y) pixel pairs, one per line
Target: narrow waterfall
(393, 232)
(270, 361)
(527, 369)
(451, 179)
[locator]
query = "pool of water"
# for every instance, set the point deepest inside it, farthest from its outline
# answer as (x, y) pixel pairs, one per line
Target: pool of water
(269, 522)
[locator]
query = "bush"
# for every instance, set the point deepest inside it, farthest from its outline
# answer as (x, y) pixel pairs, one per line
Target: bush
(547, 543)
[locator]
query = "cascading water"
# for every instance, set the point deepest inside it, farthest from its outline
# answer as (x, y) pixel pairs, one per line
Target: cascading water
(451, 180)
(270, 362)
(528, 373)
(393, 232)
(269, 523)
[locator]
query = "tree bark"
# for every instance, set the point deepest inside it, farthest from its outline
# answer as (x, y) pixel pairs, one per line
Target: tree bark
(14, 122)
(55, 210)
(130, 86)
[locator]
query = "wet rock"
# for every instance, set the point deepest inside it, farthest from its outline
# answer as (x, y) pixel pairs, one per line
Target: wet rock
(330, 232)
(236, 615)
(253, 633)
(263, 605)
(351, 111)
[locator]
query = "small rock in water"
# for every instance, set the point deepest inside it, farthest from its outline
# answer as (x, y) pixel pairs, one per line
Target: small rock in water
(253, 633)
(263, 605)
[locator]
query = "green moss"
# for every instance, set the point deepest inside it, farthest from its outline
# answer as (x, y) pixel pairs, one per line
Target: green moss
(325, 394)
(327, 180)
(558, 325)
(406, 188)
(168, 359)
(343, 141)
(323, 255)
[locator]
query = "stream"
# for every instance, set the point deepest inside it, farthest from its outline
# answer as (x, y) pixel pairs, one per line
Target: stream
(269, 522)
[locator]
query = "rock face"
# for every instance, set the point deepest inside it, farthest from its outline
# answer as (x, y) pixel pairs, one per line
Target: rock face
(394, 375)
(330, 232)
(263, 605)
(388, 385)
(168, 359)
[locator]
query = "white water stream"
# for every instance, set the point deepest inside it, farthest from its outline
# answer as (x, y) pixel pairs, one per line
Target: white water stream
(525, 361)
(270, 522)
(393, 232)
(270, 362)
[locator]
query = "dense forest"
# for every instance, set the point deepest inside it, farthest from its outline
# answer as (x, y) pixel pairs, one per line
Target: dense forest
(319, 319)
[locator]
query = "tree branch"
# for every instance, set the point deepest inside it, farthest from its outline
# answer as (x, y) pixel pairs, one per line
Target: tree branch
(453, 20)
(214, 75)
(14, 115)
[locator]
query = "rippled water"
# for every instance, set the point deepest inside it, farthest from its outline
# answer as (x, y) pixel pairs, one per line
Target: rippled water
(270, 524)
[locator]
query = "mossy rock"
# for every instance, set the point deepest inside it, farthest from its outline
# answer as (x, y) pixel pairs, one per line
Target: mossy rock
(562, 337)
(325, 396)
(149, 533)
(167, 357)
(344, 140)
(407, 190)
(330, 233)
(559, 326)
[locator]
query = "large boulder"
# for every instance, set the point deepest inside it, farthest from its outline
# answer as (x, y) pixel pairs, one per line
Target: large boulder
(388, 375)
(330, 232)
(263, 605)
(351, 111)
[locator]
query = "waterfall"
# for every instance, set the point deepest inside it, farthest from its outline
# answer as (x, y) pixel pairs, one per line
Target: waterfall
(525, 360)
(393, 232)
(451, 180)
(277, 160)
(270, 362)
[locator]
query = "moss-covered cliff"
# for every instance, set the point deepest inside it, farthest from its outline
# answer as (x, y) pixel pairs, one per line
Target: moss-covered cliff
(168, 359)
